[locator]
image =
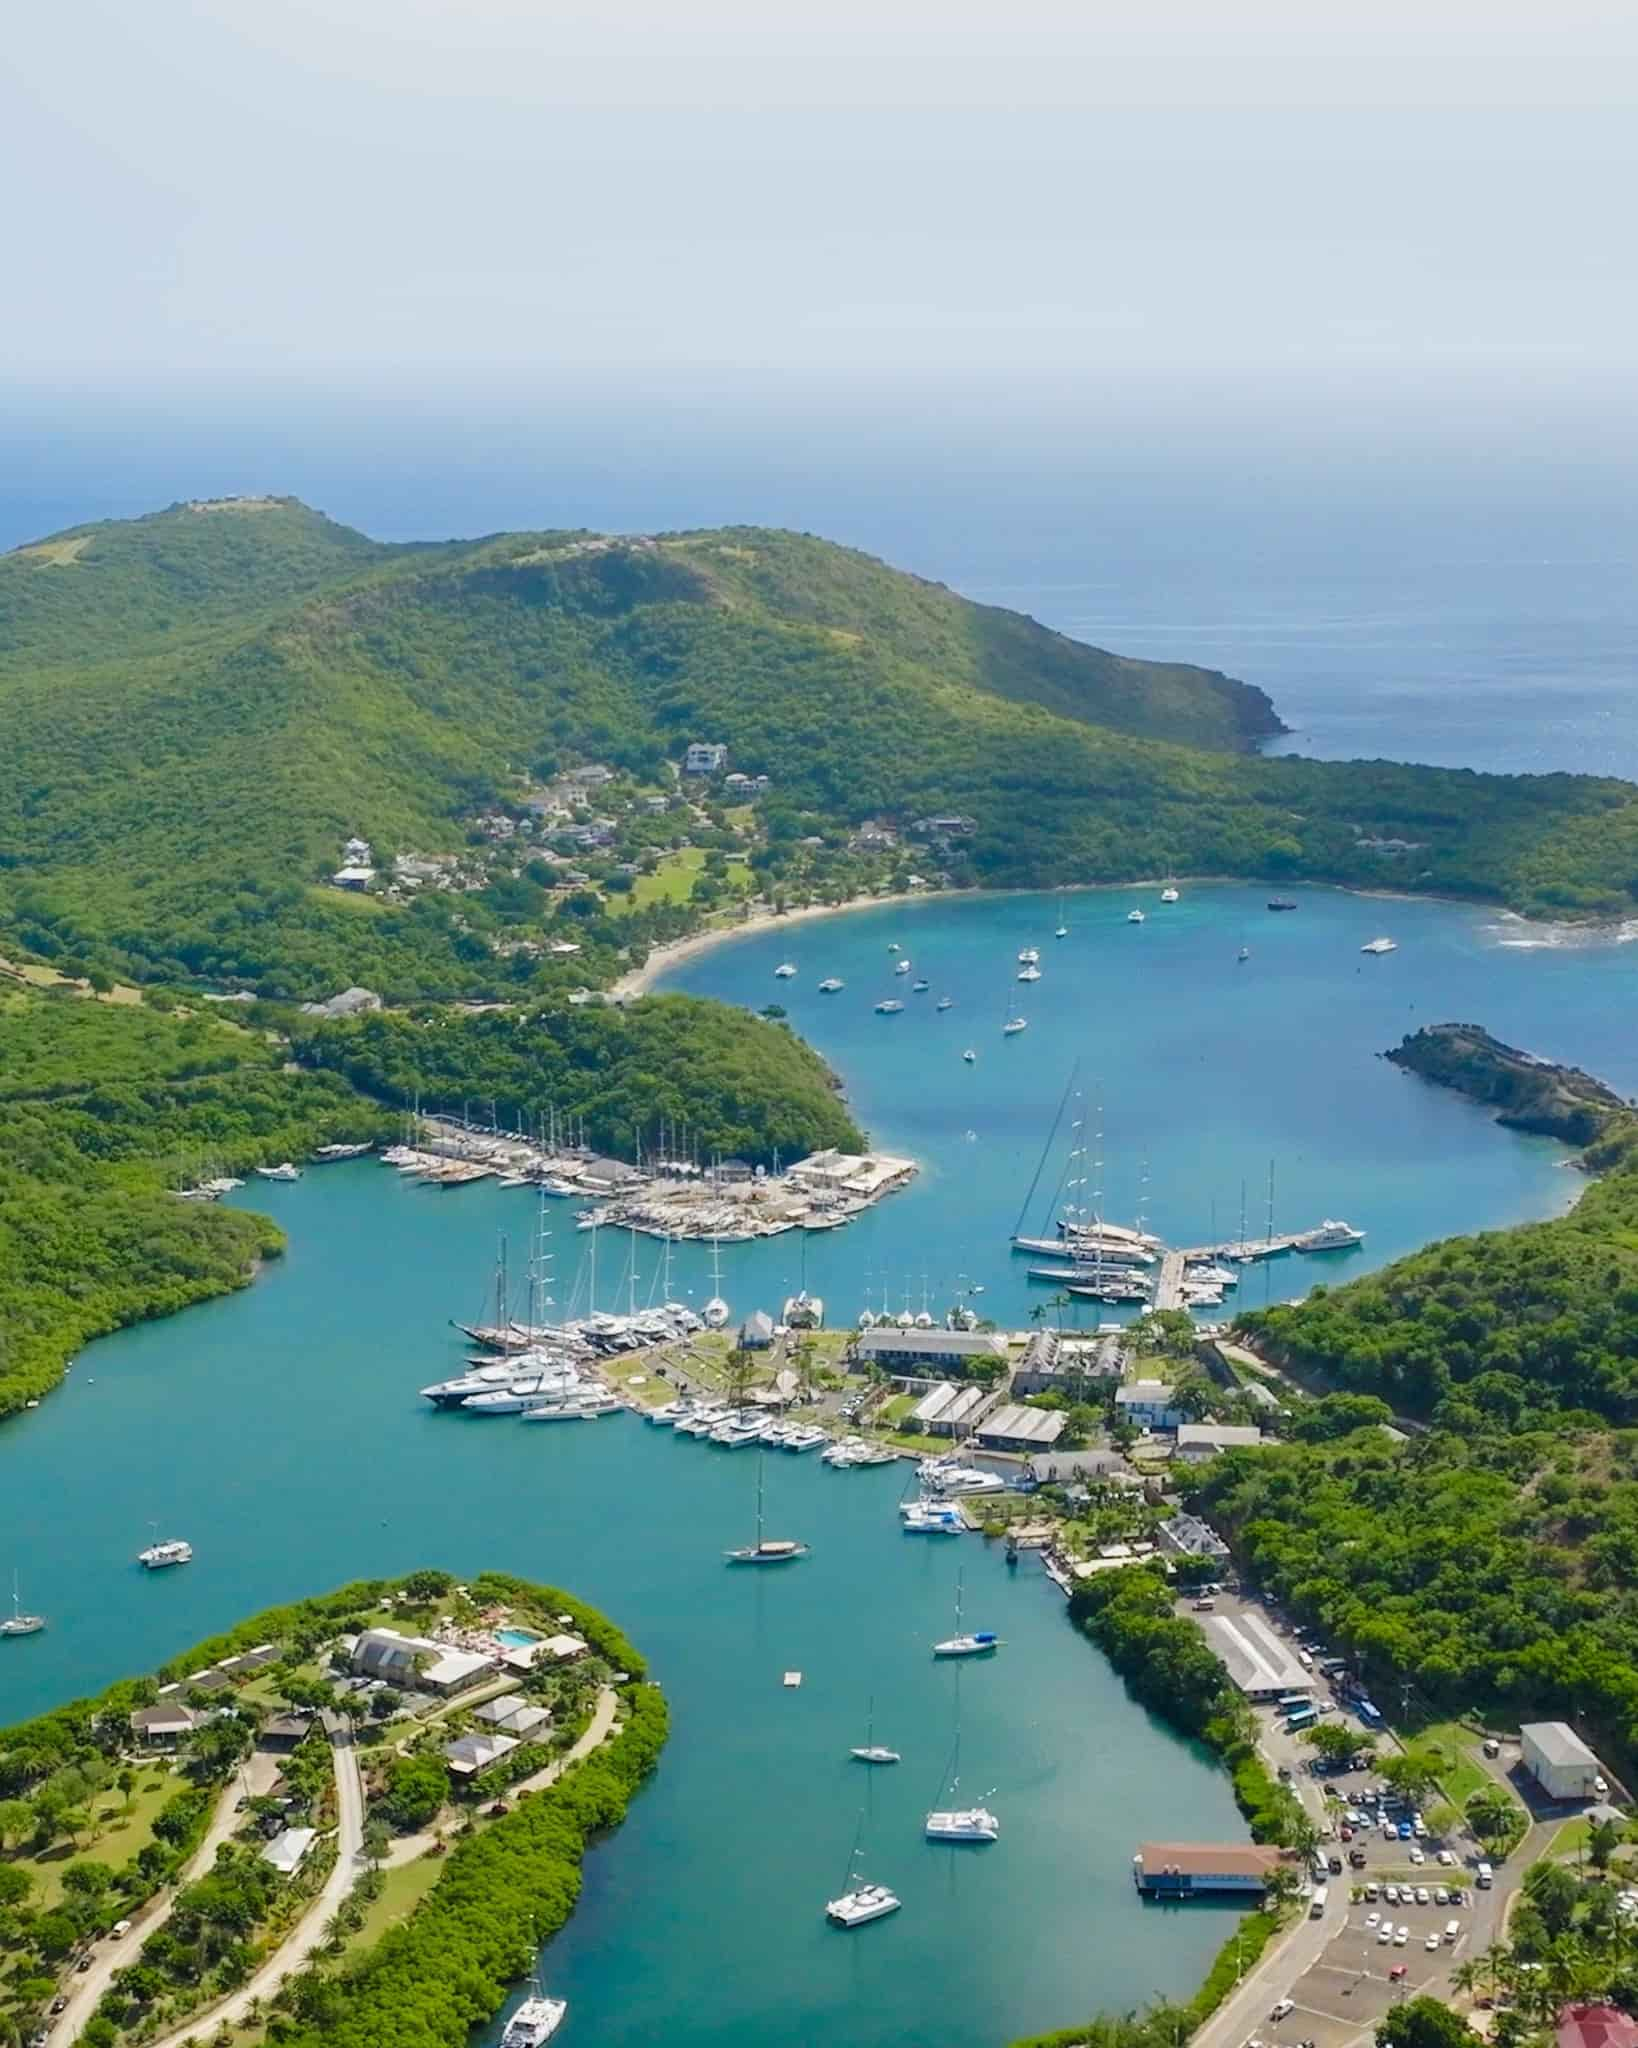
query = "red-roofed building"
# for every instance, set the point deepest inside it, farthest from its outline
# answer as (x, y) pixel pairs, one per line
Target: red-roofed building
(1596, 2026)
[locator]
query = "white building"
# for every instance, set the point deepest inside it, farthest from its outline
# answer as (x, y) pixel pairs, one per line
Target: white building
(287, 1848)
(1559, 1761)
(1147, 1404)
(705, 757)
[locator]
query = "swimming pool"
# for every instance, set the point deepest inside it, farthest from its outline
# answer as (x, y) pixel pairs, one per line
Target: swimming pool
(517, 1638)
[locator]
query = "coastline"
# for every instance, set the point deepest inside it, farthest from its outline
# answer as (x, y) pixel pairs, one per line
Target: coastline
(639, 981)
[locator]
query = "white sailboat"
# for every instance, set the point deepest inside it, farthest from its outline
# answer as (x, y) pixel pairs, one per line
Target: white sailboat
(766, 1549)
(871, 1751)
(965, 1643)
(17, 1623)
(716, 1311)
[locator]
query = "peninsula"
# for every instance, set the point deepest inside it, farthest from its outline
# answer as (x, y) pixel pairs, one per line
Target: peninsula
(1527, 1092)
(414, 1755)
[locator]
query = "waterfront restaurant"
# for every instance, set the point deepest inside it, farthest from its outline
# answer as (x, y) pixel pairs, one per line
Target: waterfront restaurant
(1182, 1870)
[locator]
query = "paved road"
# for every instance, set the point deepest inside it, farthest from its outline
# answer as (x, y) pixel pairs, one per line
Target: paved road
(308, 1933)
(408, 1847)
(1277, 1970)
(87, 1987)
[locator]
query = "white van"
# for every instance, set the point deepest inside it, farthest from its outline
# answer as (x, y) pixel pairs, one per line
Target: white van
(1453, 1929)
(1316, 1905)
(1483, 1877)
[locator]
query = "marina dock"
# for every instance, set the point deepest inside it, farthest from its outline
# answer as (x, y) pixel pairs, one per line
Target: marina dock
(728, 1201)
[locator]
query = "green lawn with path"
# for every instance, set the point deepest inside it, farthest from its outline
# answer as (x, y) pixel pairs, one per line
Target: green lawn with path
(1447, 1748)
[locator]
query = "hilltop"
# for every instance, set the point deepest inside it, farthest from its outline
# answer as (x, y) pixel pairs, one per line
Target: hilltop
(202, 706)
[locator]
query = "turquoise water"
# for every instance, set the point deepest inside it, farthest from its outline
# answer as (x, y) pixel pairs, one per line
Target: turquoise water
(1207, 1070)
(516, 1638)
(280, 1432)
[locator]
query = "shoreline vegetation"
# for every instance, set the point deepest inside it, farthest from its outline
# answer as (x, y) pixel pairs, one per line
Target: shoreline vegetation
(509, 1877)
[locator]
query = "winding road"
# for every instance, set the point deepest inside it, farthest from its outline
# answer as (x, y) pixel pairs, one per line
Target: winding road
(87, 1986)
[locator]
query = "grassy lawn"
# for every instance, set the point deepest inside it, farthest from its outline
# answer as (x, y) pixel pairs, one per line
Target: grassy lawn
(402, 1890)
(671, 882)
(895, 1410)
(121, 1836)
(348, 899)
(1447, 1746)
(1571, 1839)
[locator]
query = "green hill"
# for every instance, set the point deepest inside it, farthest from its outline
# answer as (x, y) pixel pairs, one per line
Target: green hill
(202, 705)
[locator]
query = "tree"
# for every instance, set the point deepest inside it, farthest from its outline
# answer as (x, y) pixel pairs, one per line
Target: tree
(1425, 2023)
(1410, 1776)
(87, 1879)
(1603, 1839)
(16, 1819)
(1554, 1893)
(1336, 1744)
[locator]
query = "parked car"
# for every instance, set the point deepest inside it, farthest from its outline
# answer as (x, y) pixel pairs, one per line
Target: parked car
(1448, 1858)
(1421, 1895)
(1373, 1919)
(1282, 2007)
(1357, 1858)
(1418, 1855)
(119, 1930)
(1391, 1893)
(1492, 1748)
(1384, 1934)
(1373, 1891)
(1431, 1943)
(1400, 1936)
(1396, 1973)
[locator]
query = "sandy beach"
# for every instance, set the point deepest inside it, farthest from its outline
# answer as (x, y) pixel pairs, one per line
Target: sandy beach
(637, 981)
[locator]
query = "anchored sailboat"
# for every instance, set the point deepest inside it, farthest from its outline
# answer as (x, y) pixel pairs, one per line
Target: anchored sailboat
(871, 1752)
(17, 1623)
(765, 1550)
(962, 1643)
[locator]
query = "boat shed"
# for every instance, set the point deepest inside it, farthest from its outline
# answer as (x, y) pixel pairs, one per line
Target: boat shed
(1017, 1428)
(1258, 1662)
(931, 1406)
(912, 1351)
(1559, 1761)
(1181, 1870)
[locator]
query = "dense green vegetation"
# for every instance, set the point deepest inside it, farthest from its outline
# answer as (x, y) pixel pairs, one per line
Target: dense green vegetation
(744, 1087)
(1167, 1664)
(57, 1771)
(201, 706)
(504, 1891)
(106, 1108)
(1497, 1568)
(1526, 1092)
(1503, 1328)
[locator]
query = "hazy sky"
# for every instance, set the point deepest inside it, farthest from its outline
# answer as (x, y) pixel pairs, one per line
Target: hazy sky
(1148, 196)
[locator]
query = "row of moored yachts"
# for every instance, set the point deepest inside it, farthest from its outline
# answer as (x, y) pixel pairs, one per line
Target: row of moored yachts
(732, 1428)
(541, 1374)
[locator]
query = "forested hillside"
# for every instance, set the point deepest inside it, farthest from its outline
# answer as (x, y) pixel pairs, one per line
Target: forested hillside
(105, 1108)
(1505, 1329)
(1497, 1569)
(202, 706)
(742, 1087)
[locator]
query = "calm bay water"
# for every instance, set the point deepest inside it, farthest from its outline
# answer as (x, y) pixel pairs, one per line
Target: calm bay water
(1206, 1068)
(280, 1431)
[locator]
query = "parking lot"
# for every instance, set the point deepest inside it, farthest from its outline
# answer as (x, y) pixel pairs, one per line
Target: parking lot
(1358, 1975)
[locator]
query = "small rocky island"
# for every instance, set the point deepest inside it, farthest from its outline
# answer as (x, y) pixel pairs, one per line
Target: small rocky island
(1528, 1093)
